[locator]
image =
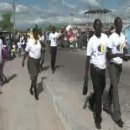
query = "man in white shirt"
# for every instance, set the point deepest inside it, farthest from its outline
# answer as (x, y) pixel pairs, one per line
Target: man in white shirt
(116, 55)
(96, 57)
(33, 51)
(53, 38)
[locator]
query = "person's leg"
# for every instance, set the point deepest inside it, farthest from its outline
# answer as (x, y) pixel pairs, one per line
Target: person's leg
(35, 88)
(108, 102)
(115, 77)
(107, 106)
(98, 87)
(1, 74)
(55, 53)
(31, 88)
(41, 64)
(52, 59)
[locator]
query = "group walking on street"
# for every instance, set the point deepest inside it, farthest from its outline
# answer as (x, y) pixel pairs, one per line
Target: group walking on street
(103, 53)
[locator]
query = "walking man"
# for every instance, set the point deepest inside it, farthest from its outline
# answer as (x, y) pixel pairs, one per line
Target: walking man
(33, 51)
(96, 59)
(53, 36)
(116, 55)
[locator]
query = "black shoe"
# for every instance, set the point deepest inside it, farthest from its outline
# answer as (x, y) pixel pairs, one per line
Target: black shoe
(31, 91)
(120, 123)
(36, 97)
(98, 125)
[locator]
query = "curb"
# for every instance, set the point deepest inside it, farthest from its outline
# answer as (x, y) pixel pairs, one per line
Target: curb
(54, 100)
(67, 120)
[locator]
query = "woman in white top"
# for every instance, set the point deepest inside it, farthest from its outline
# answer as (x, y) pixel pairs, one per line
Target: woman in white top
(33, 51)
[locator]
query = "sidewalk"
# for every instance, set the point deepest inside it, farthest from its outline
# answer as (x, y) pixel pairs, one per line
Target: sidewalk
(69, 102)
(18, 108)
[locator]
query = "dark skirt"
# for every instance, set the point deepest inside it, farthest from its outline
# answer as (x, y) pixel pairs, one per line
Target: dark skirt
(33, 67)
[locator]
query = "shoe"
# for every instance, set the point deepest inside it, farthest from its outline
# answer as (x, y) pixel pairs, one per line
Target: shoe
(98, 125)
(36, 97)
(120, 123)
(53, 71)
(31, 91)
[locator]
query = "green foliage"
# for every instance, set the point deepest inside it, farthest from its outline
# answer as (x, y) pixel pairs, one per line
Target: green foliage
(5, 23)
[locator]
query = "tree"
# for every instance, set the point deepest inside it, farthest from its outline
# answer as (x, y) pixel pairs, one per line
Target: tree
(5, 23)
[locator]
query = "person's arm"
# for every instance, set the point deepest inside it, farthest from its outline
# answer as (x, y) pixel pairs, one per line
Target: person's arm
(109, 49)
(126, 55)
(27, 49)
(85, 85)
(87, 64)
(87, 68)
(110, 55)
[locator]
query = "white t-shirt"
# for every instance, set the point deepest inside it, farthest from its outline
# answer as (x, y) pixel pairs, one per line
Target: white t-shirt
(53, 38)
(41, 38)
(33, 49)
(117, 44)
(19, 44)
(1, 47)
(96, 49)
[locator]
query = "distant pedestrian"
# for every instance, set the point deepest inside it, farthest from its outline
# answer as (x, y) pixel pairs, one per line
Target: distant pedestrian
(1, 62)
(53, 36)
(96, 59)
(19, 47)
(42, 41)
(33, 51)
(116, 55)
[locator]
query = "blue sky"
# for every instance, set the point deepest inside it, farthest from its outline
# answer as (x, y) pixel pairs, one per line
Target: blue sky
(30, 12)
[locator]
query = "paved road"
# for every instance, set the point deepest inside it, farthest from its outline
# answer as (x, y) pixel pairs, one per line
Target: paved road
(66, 84)
(18, 109)
(72, 66)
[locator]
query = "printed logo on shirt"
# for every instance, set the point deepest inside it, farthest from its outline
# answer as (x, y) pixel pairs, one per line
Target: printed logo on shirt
(101, 48)
(120, 47)
(54, 38)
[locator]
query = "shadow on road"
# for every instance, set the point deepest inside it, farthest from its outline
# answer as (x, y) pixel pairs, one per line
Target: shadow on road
(11, 78)
(40, 86)
(45, 68)
(59, 66)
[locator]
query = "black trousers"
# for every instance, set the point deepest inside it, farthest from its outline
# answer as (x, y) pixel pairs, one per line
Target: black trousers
(53, 57)
(98, 77)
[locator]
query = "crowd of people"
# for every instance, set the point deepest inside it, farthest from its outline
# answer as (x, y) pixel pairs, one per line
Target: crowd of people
(102, 50)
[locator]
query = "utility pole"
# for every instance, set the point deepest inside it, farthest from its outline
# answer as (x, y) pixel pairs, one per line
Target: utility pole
(14, 15)
(102, 4)
(71, 14)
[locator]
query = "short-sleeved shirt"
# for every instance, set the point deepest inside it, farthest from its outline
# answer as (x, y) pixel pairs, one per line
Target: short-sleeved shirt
(34, 49)
(117, 43)
(53, 38)
(96, 49)
(1, 47)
